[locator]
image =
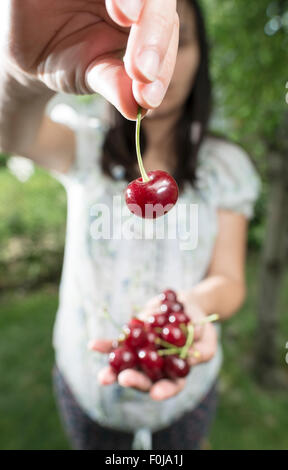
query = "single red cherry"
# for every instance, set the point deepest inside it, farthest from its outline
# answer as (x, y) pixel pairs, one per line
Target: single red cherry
(122, 358)
(173, 334)
(155, 192)
(168, 294)
(153, 198)
(134, 321)
(171, 307)
(157, 320)
(135, 336)
(175, 367)
(178, 317)
(151, 337)
(151, 363)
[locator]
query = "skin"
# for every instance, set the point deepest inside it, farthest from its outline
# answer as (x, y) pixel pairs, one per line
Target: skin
(52, 146)
(159, 121)
(77, 46)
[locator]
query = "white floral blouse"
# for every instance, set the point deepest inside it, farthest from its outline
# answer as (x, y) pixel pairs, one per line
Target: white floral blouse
(120, 274)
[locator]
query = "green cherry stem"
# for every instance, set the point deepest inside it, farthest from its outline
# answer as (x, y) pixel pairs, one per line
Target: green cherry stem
(107, 315)
(208, 319)
(164, 343)
(189, 341)
(166, 352)
(144, 175)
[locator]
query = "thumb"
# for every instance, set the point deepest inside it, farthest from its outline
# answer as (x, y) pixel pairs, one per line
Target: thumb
(101, 345)
(109, 78)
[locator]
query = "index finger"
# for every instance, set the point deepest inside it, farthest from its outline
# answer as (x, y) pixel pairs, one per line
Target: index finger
(149, 40)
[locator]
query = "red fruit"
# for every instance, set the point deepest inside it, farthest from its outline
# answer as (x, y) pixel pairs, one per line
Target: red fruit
(178, 317)
(171, 307)
(135, 336)
(157, 320)
(151, 337)
(151, 363)
(122, 358)
(169, 295)
(153, 198)
(176, 367)
(173, 334)
(136, 322)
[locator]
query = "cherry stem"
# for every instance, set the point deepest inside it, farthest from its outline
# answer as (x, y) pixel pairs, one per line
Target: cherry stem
(208, 319)
(144, 175)
(165, 343)
(107, 315)
(189, 341)
(166, 352)
(183, 328)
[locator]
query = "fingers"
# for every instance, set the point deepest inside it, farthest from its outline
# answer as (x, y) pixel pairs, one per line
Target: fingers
(151, 95)
(101, 345)
(107, 376)
(198, 330)
(109, 78)
(126, 85)
(150, 307)
(124, 12)
(161, 390)
(164, 389)
(204, 349)
(135, 379)
(152, 35)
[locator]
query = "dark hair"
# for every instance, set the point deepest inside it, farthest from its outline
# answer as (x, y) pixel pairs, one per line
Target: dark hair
(119, 143)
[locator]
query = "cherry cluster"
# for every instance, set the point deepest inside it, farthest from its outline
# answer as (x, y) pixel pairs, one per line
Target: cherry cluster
(159, 346)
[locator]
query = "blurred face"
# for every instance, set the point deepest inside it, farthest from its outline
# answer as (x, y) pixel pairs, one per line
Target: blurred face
(188, 59)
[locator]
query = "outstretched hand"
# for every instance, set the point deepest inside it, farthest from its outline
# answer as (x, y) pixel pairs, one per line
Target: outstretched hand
(77, 46)
(202, 350)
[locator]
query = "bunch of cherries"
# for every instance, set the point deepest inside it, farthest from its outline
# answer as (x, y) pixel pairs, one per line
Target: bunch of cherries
(158, 346)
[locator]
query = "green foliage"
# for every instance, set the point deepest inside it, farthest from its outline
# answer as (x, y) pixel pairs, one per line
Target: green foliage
(250, 417)
(249, 44)
(249, 66)
(32, 228)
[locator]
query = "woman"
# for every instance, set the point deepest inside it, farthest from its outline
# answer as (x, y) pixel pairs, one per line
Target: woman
(95, 165)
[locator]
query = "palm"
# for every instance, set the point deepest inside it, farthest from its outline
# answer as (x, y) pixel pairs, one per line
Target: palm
(66, 36)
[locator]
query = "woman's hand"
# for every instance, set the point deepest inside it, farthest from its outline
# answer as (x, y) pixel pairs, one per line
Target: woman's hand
(202, 350)
(77, 46)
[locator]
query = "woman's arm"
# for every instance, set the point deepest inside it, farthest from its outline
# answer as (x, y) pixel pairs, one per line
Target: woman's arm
(223, 289)
(26, 131)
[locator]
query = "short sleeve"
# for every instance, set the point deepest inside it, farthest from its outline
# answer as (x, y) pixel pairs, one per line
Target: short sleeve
(89, 127)
(227, 176)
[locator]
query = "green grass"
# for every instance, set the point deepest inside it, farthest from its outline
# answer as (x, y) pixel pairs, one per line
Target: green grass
(248, 417)
(28, 413)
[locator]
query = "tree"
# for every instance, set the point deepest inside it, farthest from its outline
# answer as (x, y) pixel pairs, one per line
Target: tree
(249, 66)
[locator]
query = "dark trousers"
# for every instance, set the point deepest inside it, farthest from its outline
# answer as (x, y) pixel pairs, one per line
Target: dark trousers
(83, 433)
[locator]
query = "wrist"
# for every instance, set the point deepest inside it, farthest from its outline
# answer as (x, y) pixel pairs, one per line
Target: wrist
(190, 299)
(21, 86)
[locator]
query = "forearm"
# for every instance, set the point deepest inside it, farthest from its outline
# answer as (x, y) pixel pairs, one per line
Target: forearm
(217, 294)
(21, 112)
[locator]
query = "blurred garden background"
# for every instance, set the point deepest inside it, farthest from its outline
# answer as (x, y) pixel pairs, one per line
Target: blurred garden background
(249, 44)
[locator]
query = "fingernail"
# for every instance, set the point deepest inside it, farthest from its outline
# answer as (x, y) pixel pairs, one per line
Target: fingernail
(157, 395)
(131, 8)
(153, 93)
(148, 63)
